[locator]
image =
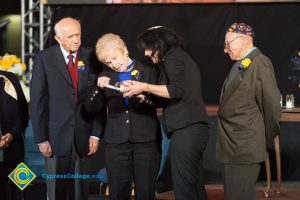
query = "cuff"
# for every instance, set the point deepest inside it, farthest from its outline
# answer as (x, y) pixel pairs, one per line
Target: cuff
(94, 137)
(47, 142)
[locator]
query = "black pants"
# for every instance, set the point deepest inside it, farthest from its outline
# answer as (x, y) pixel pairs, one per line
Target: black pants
(240, 181)
(12, 156)
(186, 150)
(67, 188)
(132, 162)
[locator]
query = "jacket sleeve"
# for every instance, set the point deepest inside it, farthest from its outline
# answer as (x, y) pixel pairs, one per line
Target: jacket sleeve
(94, 109)
(174, 66)
(39, 101)
(99, 123)
(22, 107)
(9, 116)
(154, 78)
(270, 101)
(95, 101)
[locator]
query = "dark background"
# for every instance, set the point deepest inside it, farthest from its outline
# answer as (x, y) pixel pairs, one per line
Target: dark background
(11, 7)
(202, 26)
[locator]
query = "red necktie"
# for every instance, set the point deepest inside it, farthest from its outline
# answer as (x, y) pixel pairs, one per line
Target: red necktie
(73, 72)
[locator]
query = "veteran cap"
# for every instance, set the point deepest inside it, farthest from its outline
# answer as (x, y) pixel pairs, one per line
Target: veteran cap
(241, 28)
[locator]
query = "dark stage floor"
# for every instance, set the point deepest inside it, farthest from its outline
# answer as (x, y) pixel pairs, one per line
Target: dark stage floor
(289, 191)
(215, 192)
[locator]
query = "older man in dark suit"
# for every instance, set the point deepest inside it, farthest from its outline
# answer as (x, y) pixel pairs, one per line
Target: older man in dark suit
(249, 114)
(13, 122)
(62, 79)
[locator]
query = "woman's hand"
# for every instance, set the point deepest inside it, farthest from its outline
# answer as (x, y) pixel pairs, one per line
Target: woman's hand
(133, 88)
(2, 144)
(5, 140)
(103, 82)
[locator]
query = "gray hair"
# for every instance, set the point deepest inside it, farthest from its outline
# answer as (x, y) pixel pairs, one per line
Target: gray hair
(57, 27)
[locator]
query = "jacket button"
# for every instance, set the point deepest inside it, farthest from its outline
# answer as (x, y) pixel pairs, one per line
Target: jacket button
(127, 121)
(126, 112)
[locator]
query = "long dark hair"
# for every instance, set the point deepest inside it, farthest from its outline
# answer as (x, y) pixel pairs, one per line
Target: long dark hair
(159, 39)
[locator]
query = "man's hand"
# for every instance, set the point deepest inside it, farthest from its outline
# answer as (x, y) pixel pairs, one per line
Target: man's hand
(45, 149)
(93, 145)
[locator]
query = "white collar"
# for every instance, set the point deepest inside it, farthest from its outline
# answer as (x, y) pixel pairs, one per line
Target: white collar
(66, 53)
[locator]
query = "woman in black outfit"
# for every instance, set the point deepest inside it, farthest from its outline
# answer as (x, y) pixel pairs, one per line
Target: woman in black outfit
(132, 134)
(184, 116)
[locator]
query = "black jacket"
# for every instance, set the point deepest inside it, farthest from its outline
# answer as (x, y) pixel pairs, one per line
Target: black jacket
(13, 113)
(183, 80)
(14, 120)
(136, 122)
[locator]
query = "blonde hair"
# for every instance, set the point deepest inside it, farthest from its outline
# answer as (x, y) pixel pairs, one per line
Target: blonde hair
(107, 42)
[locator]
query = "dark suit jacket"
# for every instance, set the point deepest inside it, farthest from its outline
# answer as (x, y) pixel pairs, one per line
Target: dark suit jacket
(13, 118)
(183, 80)
(249, 113)
(56, 115)
(137, 122)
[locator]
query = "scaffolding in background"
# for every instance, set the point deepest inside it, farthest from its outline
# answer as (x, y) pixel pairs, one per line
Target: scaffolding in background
(36, 24)
(36, 28)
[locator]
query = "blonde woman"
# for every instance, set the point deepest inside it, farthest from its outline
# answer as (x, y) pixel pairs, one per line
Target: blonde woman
(132, 134)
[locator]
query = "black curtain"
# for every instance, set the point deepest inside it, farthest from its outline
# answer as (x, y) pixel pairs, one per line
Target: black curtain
(203, 26)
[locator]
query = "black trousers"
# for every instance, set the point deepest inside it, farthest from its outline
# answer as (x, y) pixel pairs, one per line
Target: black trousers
(67, 188)
(240, 181)
(132, 162)
(186, 151)
(12, 156)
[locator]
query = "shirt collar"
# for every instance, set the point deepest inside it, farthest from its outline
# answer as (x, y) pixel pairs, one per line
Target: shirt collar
(66, 53)
(248, 52)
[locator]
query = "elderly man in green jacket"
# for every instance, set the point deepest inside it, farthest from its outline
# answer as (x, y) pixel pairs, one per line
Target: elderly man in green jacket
(249, 114)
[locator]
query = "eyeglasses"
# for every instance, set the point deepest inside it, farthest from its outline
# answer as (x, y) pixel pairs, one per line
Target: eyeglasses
(226, 44)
